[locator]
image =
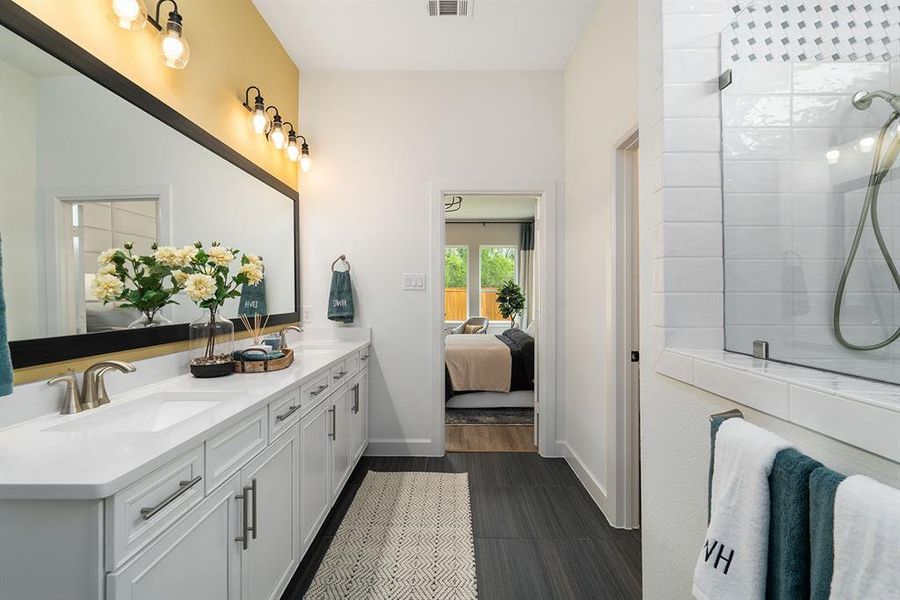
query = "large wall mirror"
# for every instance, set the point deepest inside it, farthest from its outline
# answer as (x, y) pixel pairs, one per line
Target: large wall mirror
(83, 170)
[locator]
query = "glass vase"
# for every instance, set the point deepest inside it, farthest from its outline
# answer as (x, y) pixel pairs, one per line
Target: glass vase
(149, 320)
(211, 344)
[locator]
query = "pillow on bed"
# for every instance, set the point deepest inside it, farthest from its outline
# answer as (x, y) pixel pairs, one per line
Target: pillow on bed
(472, 328)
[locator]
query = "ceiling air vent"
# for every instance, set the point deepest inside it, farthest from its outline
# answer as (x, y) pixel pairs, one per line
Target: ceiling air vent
(449, 8)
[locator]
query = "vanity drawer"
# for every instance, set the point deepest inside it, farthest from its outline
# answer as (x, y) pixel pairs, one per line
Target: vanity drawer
(312, 392)
(283, 413)
(364, 355)
(351, 363)
(145, 508)
(339, 373)
(233, 448)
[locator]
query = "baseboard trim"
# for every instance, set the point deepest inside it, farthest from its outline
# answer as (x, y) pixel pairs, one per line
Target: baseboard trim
(593, 487)
(398, 447)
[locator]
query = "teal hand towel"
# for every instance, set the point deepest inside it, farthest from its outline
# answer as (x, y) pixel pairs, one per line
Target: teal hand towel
(823, 485)
(340, 299)
(6, 370)
(789, 548)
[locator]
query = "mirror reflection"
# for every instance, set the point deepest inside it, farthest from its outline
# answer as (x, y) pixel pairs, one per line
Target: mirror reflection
(84, 173)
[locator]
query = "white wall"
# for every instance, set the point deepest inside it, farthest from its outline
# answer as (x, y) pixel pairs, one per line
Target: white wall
(473, 236)
(380, 139)
(681, 299)
(18, 215)
(601, 106)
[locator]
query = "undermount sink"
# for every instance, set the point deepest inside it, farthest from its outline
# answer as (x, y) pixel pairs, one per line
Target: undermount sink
(154, 412)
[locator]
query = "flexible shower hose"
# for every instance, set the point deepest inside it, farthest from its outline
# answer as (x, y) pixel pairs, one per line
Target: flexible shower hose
(870, 206)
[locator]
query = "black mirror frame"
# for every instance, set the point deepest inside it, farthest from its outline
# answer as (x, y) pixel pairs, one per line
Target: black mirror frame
(27, 353)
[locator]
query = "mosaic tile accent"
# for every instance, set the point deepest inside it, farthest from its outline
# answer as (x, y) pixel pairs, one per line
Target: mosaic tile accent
(812, 31)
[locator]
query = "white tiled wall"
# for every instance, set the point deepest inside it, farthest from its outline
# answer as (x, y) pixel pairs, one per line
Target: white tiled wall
(790, 215)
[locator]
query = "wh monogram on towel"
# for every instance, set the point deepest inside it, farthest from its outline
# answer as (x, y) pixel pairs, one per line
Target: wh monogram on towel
(708, 551)
(339, 303)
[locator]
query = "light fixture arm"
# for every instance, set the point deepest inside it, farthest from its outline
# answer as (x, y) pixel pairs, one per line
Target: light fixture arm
(257, 100)
(277, 114)
(172, 15)
(290, 127)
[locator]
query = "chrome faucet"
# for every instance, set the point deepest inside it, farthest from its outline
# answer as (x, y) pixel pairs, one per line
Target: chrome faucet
(288, 328)
(93, 388)
(93, 391)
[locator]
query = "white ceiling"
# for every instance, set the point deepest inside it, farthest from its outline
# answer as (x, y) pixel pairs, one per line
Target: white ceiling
(398, 35)
(500, 207)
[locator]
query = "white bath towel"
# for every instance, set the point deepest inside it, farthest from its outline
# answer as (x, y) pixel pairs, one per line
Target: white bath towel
(866, 540)
(732, 562)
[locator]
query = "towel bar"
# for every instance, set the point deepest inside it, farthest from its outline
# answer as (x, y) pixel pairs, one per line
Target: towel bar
(728, 414)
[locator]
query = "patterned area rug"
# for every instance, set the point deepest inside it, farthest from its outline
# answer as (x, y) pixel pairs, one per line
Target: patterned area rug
(406, 536)
(489, 416)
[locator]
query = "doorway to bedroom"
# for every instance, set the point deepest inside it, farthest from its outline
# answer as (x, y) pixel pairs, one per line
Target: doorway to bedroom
(490, 302)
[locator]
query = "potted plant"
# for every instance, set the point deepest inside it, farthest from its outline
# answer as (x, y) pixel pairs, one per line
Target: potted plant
(208, 282)
(511, 301)
(145, 283)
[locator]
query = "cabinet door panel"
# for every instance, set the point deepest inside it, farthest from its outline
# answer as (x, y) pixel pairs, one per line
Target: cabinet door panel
(315, 471)
(196, 559)
(274, 551)
(340, 440)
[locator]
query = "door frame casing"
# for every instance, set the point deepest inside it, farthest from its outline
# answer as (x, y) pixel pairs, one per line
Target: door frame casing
(546, 193)
(623, 433)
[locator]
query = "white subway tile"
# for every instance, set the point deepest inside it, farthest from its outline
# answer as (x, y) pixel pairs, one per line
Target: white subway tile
(758, 209)
(757, 144)
(690, 66)
(699, 240)
(692, 205)
(692, 30)
(719, 7)
(695, 337)
(740, 110)
(687, 275)
(757, 242)
(760, 78)
(691, 99)
(692, 310)
(840, 78)
(692, 169)
(692, 134)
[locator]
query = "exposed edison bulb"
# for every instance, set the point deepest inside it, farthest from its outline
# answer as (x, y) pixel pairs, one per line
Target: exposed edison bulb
(276, 134)
(832, 156)
(292, 150)
(128, 14)
(866, 144)
(173, 46)
(258, 119)
(305, 160)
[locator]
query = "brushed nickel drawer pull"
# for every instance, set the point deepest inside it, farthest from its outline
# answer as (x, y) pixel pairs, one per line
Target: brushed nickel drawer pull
(245, 513)
(319, 390)
(341, 374)
(333, 434)
(183, 486)
(356, 399)
(253, 489)
(291, 410)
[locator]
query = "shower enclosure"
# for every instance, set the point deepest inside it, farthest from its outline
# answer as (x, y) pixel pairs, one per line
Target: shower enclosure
(811, 195)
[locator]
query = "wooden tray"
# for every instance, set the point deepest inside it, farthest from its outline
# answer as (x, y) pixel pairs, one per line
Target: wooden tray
(264, 366)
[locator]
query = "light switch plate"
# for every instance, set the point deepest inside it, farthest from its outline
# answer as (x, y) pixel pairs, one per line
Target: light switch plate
(307, 314)
(414, 282)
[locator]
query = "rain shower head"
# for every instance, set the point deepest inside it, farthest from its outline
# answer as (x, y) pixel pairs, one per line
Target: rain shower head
(863, 100)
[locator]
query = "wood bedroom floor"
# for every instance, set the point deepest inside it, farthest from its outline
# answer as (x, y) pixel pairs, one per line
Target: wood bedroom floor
(489, 438)
(538, 534)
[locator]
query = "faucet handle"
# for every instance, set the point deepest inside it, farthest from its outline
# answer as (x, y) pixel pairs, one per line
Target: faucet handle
(101, 396)
(94, 393)
(285, 330)
(72, 401)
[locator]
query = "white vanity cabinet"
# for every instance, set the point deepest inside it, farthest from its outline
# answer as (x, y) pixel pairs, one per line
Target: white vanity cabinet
(228, 518)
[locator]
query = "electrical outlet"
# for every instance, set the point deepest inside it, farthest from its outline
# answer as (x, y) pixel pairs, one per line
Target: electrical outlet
(414, 282)
(307, 314)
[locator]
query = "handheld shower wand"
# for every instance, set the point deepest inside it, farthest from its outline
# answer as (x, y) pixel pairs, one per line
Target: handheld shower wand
(862, 101)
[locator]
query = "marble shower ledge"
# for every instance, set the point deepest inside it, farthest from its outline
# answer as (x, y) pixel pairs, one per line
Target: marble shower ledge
(856, 411)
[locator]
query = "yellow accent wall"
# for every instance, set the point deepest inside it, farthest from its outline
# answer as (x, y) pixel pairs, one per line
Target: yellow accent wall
(231, 46)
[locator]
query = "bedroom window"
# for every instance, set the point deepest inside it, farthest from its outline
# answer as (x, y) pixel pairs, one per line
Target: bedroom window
(497, 265)
(456, 283)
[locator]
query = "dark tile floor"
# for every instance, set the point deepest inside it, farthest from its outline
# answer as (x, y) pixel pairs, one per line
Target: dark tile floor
(537, 532)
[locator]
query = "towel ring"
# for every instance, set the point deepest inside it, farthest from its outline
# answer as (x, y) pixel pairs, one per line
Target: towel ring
(342, 257)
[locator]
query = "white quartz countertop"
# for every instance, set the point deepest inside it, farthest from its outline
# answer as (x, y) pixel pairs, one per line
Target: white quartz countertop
(95, 463)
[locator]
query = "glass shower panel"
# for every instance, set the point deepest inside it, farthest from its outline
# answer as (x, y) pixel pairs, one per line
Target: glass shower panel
(798, 190)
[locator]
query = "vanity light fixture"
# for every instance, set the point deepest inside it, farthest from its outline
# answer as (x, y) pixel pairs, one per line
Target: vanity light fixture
(173, 46)
(128, 14)
(295, 151)
(276, 133)
(258, 119)
(305, 160)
